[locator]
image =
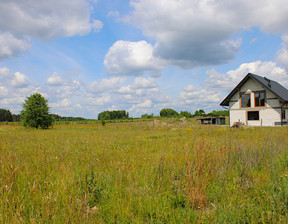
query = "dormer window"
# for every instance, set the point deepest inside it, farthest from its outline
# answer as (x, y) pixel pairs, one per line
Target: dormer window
(245, 100)
(259, 99)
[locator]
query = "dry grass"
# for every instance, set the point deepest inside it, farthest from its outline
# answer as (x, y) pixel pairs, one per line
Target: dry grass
(126, 174)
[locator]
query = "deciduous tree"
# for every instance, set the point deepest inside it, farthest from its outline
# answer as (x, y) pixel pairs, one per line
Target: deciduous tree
(36, 113)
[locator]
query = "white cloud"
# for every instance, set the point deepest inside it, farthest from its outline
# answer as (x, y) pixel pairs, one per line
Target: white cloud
(97, 25)
(46, 19)
(12, 46)
(3, 91)
(4, 71)
(19, 80)
(61, 104)
(226, 82)
(99, 101)
(65, 90)
(54, 79)
(132, 58)
(112, 84)
(146, 103)
(192, 95)
(140, 106)
(191, 33)
(143, 83)
(282, 54)
(65, 103)
(11, 101)
(143, 95)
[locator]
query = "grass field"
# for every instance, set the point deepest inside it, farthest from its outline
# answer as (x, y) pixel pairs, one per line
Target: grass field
(124, 173)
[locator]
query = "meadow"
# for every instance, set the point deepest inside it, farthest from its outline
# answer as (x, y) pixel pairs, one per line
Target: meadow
(169, 172)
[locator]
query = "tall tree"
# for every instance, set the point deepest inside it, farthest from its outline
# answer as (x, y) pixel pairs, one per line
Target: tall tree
(5, 115)
(36, 113)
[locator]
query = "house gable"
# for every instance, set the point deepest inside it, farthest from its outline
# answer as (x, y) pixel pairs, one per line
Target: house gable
(251, 87)
(274, 87)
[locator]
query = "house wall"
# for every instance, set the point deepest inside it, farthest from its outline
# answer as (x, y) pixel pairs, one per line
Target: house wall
(268, 115)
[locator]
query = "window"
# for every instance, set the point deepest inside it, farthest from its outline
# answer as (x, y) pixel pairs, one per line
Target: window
(283, 115)
(259, 99)
(245, 100)
(253, 115)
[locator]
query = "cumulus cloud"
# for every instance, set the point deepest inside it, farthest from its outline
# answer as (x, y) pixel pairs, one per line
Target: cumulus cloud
(19, 80)
(65, 90)
(191, 33)
(63, 103)
(112, 84)
(282, 54)
(46, 19)
(143, 95)
(132, 58)
(192, 95)
(11, 46)
(54, 79)
(226, 82)
(99, 101)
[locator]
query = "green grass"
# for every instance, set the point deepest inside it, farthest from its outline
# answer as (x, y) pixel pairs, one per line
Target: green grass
(87, 173)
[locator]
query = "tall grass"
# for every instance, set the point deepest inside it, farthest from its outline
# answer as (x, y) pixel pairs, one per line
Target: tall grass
(126, 174)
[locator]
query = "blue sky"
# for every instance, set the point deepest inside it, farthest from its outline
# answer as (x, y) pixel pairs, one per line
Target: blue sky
(138, 55)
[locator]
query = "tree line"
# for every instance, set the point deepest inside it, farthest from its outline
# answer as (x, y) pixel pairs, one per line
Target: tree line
(113, 115)
(36, 114)
(57, 117)
(7, 116)
(167, 112)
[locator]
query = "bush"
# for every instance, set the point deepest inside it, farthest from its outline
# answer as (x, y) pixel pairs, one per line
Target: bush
(167, 112)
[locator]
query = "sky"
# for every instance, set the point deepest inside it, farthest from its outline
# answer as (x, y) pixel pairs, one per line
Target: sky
(88, 56)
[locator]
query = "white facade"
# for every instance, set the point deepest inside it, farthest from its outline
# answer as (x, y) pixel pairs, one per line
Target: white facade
(270, 114)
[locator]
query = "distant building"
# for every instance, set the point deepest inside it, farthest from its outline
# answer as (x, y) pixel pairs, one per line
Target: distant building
(212, 120)
(257, 101)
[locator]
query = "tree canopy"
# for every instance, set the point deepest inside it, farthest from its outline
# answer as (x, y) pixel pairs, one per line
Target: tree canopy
(185, 114)
(167, 112)
(36, 113)
(147, 116)
(113, 115)
(218, 113)
(199, 113)
(5, 115)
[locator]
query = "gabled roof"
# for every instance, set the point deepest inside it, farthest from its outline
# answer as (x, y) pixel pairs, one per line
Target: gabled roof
(274, 87)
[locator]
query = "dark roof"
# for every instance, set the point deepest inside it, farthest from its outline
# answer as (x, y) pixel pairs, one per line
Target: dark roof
(274, 87)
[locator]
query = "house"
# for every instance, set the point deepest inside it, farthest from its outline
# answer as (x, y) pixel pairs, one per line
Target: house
(257, 101)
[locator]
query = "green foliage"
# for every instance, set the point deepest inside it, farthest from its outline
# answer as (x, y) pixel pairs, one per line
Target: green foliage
(57, 117)
(16, 117)
(185, 114)
(113, 115)
(167, 112)
(35, 112)
(199, 113)
(5, 115)
(215, 113)
(147, 116)
(103, 122)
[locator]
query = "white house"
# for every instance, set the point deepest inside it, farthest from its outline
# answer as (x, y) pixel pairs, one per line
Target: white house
(258, 101)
